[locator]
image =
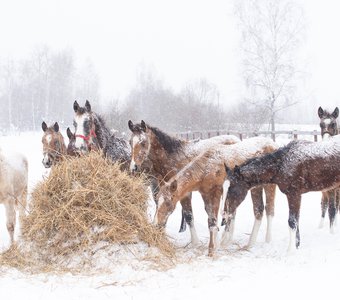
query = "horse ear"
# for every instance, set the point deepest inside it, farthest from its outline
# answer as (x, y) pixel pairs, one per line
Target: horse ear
(143, 125)
(44, 126)
(75, 106)
(69, 133)
(320, 112)
(130, 125)
(335, 113)
(56, 127)
(88, 106)
(173, 186)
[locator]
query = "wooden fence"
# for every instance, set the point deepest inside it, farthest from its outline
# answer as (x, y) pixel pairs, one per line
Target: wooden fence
(290, 134)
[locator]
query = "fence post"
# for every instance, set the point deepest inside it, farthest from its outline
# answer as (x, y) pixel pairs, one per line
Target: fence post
(315, 136)
(241, 136)
(273, 135)
(209, 134)
(295, 135)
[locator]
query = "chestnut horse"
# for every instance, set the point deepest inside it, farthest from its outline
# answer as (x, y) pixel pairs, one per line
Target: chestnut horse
(297, 168)
(330, 200)
(13, 187)
(54, 148)
(167, 155)
(206, 174)
(91, 133)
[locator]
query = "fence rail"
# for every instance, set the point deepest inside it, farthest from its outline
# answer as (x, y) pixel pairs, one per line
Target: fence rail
(290, 134)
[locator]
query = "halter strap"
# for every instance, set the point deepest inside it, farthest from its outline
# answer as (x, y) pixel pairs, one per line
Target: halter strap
(87, 138)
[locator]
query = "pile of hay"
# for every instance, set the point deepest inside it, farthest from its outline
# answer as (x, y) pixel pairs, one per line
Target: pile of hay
(85, 202)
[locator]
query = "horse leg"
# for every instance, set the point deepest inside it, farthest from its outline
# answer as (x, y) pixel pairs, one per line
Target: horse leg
(11, 218)
(294, 203)
(258, 207)
(229, 221)
(212, 204)
(331, 209)
(270, 191)
(324, 206)
(188, 216)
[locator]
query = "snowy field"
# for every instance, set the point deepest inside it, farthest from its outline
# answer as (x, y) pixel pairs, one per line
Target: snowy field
(264, 272)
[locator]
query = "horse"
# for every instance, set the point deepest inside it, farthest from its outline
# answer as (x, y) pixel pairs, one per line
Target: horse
(54, 148)
(297, 168)
(13, 187)
(206, 174)
(331, 199)
(167, 155)
(91, 133)
(53, 145)
(71, 147)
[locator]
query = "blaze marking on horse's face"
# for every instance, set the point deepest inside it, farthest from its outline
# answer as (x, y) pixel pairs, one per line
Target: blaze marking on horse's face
(48, 139)
(81, 128)
(140, 150)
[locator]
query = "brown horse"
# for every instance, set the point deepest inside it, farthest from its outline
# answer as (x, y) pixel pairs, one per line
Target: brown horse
(297, 168)
(91, 133)
(206, 174)
(54, 148)
(53, 144)
(168, 155)
(331, 199)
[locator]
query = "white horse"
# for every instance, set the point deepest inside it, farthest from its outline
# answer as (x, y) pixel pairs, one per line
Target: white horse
(13, 187)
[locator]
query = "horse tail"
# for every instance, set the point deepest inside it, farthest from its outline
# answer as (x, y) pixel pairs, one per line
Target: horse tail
(183, 223)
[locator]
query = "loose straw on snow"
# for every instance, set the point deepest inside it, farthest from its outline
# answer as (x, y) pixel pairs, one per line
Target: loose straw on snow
(83, 202)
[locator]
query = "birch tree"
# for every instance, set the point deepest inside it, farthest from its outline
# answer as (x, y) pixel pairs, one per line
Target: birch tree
(271, 33)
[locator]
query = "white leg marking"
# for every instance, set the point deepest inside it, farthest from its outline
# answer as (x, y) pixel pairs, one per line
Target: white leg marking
(269, 229)
(254, 233)
(194, 238)
(322, 223)
(292, 241)
(227, 235)
(336, 219)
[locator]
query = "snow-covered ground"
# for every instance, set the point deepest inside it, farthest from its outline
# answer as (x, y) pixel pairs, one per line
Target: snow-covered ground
(266, 271)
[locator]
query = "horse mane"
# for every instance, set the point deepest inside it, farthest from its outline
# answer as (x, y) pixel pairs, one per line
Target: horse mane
(169, 143)
(270, 158)
(102, 131)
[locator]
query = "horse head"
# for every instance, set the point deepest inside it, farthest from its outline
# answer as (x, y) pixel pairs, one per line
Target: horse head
(53, 144)
(166, 202)
(71, 148)
(140, 144)
(328, 122)
(85, 128)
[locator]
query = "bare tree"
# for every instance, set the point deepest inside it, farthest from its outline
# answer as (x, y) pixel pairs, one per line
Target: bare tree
(271, 33)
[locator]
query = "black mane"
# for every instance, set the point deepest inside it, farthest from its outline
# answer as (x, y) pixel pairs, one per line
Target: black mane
(273, 158)
(169, 143)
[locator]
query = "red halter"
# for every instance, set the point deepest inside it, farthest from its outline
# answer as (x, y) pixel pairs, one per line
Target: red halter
(87, 138)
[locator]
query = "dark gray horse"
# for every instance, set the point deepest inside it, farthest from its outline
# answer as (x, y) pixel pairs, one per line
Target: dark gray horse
(92, 133)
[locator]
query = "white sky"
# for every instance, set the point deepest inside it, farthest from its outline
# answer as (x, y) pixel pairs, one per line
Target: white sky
(181, 39)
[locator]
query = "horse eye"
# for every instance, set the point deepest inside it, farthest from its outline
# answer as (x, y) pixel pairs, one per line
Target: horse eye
(322, 125)
(333, 125)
